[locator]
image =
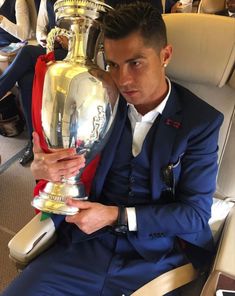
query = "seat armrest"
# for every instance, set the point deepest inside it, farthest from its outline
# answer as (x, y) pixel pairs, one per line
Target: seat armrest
(168, 281)
(225, 257)
(31, 240)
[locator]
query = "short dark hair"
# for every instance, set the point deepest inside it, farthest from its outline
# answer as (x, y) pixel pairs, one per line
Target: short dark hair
(134, 17)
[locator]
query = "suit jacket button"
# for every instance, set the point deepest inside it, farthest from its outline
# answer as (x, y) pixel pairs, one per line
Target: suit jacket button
(132, 179)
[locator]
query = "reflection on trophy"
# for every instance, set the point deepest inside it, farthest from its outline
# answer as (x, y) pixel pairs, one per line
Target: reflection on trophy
(73, 124)
(79, 99)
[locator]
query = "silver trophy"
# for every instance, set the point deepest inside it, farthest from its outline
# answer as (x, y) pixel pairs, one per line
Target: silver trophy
(79, 98)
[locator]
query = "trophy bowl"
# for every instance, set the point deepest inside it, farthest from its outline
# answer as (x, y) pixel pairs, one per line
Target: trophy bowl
(79, 100)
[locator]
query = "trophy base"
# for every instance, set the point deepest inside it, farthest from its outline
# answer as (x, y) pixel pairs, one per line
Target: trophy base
(52, 199)
(54, 207)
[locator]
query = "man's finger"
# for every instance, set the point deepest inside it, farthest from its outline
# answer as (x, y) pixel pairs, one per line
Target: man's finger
(82, 205)
(66, 154)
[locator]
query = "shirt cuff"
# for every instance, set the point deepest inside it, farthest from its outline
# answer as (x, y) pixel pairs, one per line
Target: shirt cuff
(131, 217)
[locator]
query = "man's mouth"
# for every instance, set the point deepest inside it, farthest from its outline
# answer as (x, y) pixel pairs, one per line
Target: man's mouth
(129, 93)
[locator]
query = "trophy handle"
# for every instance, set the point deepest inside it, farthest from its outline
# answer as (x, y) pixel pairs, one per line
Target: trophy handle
(52, 37)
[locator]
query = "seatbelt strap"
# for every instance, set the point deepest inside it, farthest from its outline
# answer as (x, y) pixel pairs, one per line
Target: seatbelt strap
(169, 281)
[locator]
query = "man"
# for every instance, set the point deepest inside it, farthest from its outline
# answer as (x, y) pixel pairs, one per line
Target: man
(21, 70)
(133, 226)
(230, 10)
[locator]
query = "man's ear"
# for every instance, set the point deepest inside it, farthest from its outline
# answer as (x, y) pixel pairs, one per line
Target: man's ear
(165, 55)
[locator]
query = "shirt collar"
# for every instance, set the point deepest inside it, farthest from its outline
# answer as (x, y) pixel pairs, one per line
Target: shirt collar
(151, 115)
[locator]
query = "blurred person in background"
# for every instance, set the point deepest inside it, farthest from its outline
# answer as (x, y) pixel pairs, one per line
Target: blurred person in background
(170, 5)
(230, 10)
(22, 70)
(14, 21)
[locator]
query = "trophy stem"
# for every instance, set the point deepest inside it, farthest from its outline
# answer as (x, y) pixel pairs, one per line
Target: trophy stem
(82, 48)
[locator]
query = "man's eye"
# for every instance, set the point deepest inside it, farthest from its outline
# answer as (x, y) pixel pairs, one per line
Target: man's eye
(111, 66)
(135, 63)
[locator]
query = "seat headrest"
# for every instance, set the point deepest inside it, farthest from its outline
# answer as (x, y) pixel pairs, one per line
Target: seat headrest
(203, 47)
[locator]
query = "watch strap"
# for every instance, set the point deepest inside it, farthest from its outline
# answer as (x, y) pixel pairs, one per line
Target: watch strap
(121, 226)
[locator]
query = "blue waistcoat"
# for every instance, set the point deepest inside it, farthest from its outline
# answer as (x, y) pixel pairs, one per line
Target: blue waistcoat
(8, 10)
(128, 181)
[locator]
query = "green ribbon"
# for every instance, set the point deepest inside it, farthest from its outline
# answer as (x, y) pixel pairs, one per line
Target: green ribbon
(45, 216)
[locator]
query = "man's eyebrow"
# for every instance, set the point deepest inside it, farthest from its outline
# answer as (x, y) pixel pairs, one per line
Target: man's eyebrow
(109, 61)
(135, 58)
(128, 60)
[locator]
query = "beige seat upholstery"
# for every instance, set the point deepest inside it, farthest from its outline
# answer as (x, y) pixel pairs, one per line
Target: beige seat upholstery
(203, 62)
(211, 6)
(225, 259)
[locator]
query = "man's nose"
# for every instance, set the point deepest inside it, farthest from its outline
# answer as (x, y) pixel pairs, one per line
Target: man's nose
(124, 77)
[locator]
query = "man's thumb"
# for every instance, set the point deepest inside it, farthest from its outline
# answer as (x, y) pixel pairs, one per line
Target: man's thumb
(36, 143)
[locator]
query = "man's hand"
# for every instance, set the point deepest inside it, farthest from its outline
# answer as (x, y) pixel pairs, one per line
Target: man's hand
(52, 166)
(63, 41)
(1, 18)
(176, 6)
(92, 216)
(43, 42)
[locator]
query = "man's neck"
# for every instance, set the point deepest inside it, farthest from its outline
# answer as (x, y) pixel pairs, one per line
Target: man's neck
(145, 108)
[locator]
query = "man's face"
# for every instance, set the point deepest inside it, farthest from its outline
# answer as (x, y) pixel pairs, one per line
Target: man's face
(138, 70)
(231, 5)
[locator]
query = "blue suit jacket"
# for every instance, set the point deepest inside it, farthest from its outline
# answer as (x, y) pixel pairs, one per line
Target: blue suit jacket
(187, 137)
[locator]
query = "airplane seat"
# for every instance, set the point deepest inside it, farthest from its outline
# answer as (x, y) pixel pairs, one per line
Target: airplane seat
(211, 6)
(203, 62)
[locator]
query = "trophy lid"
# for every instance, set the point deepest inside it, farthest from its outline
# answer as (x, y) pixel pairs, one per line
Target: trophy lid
(79, 8)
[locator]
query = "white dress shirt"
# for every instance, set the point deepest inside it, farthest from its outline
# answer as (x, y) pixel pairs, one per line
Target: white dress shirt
(20, 30)
(231, 14)
(140, 125)
(42, 23)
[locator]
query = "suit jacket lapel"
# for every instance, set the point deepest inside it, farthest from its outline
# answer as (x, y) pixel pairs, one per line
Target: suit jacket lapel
(167, 130)
(110, 148)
